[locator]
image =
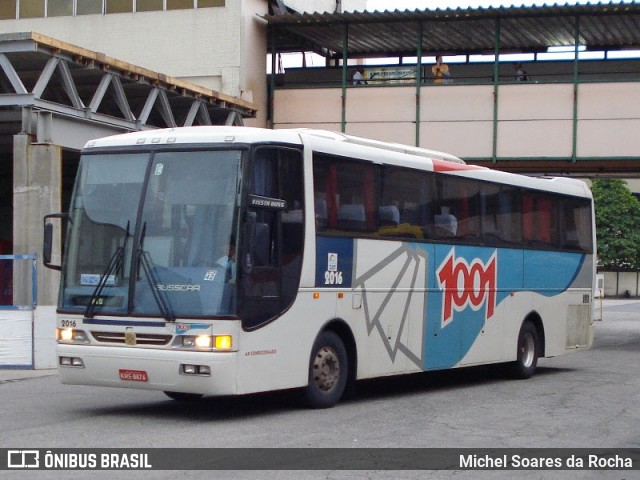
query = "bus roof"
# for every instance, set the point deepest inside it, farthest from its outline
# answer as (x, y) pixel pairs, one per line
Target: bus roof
(340, 144)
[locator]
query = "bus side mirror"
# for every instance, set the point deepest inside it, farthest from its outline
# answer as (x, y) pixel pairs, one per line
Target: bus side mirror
(47, 243)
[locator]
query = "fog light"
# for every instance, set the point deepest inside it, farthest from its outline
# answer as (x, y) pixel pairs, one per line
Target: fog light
(186, 369)
(71, 362)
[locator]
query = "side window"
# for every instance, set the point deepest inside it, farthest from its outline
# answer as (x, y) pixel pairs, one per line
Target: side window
(575, 225)
(273, 234)
(539, 220)
(501, 215)
(406, 202)
(457, 210)
(345, 194)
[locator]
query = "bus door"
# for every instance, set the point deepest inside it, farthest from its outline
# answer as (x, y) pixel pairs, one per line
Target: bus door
(273, 235)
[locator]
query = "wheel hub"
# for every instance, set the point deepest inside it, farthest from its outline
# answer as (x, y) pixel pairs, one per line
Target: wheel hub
(528, 350)
(326, 369)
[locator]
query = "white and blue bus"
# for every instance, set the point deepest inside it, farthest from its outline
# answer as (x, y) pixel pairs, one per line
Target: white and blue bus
(232, 260)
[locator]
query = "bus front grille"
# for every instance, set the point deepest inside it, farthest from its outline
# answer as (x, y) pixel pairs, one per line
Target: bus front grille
(141, 338)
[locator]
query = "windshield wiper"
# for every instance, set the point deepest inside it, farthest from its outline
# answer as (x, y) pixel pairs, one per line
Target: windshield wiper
(115, 264)
(144, 260)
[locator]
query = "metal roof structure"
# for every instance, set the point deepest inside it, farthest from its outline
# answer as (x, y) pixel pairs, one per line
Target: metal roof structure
(47, 78)
(610, 25)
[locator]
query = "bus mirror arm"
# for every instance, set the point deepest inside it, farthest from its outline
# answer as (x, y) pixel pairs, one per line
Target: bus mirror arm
(47, 243)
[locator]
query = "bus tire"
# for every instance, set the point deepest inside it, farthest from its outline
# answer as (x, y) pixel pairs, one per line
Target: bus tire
(184, 397)
(527, 356)
(328, 371)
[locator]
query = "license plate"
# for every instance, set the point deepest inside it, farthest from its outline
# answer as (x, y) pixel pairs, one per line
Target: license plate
(133, 375)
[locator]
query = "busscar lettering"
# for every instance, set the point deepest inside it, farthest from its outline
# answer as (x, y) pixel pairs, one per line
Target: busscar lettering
(178, 288)
(467, 285)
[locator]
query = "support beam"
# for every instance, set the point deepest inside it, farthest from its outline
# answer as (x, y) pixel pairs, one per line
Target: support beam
(576, 65)
(121, 99)
(496, 88)
(45, 77)
(165, 109)
(418, 80)
(69, 85)
(37, 171)
(100, 92)
(45, 127)
(148, 105)
(11, 74)
(232, 119)
(345, 59)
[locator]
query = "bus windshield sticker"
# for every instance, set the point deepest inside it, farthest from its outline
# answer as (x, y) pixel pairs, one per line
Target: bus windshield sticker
(93, 279)
(210, 275)
(332, 276)
(259, 201)
(159, 169)
(332, 262)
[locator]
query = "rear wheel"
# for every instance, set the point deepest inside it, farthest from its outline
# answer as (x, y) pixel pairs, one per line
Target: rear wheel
(527, 360)
(328, 371)
(184, 397)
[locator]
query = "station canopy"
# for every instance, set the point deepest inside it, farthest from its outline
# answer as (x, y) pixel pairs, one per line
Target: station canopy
(598, 26)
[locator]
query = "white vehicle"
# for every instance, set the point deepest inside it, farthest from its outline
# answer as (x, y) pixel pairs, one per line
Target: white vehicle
(232, 260)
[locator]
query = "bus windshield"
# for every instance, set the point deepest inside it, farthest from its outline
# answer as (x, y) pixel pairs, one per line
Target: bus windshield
(153, 235)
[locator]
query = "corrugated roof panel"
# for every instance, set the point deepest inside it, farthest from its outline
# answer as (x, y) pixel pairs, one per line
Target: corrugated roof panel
(603, 24)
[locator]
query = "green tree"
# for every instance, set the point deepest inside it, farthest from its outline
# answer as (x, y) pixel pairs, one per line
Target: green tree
(617, 223)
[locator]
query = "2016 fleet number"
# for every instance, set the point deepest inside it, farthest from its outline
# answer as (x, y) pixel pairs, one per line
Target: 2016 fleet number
(333, 278)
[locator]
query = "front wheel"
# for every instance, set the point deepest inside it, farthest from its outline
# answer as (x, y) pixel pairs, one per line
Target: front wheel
(527, 359)
(328, 371)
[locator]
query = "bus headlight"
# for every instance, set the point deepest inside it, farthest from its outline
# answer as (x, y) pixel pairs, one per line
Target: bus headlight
(204, 342)
(71, 335)
(197, 342)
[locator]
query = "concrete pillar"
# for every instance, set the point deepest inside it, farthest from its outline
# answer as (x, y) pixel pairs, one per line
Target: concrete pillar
(37, 172)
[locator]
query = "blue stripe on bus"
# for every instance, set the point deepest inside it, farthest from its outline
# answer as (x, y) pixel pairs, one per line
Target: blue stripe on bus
(448, 340)
(545, 273)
